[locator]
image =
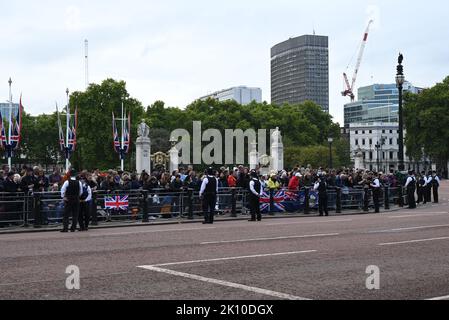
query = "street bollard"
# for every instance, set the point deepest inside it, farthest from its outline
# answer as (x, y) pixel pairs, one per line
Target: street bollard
(366, 200)
(338, 205)
(37, 211)
(271, 202)
(401, 197)
(306, 201)
(144, 206)
(233, 203)
(25, 213)
(387, 198)
(94, 209)
(190, 204)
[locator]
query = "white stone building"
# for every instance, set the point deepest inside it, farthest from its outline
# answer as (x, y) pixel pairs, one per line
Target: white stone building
(243, 95)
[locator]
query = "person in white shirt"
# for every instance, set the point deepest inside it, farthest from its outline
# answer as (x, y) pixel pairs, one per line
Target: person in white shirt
(71, 192)
(428, 188)
(435, 185)
(85, 204)
(255, 189)
(375, 186)
(208, 193)
(410, 186)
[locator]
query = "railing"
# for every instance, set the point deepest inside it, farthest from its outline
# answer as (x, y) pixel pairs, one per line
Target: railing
(47, 208)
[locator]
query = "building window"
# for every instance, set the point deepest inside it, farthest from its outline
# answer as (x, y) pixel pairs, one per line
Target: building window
(391, 131)
(356, 142)
(363, 132)
(391, 155)
(371, 156)
(356, 132)
(391, 141)
(370, 142)
(383, 131)
(371, 131)
(363, 141)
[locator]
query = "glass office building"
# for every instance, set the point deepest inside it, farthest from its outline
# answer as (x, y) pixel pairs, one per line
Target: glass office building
(376, 103)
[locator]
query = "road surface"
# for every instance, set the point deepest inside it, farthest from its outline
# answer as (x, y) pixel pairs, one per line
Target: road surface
(292, 258)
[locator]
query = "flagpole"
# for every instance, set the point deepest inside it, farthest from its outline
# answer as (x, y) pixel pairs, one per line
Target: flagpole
(122, 160)
(67, 164)
(10, 123)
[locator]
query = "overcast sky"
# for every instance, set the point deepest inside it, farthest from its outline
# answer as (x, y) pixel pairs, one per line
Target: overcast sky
(177, 51)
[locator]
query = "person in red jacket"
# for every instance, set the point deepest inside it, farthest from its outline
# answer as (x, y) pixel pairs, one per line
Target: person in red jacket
(294, 183)
(232, 180)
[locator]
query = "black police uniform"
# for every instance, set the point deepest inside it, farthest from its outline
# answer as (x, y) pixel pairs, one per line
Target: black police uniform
(376, 196)
(420, 187)
(254, 200)
(322, 201)
(210, 200)
(411, 188)
(84, 217)
(435, 186)
(72, 204)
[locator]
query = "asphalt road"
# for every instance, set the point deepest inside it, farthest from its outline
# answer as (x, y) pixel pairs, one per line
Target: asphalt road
(293, 258)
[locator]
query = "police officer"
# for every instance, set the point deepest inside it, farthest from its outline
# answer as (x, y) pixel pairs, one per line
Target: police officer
(71, 192)
(428, 189)
(410, 186)
(435, 186)
(421, 187)
(321, 187)
(255, 188)
(208, 193)
(375, 186)
(85, 200)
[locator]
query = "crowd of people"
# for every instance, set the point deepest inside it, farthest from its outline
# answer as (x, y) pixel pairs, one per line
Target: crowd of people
(33, 179)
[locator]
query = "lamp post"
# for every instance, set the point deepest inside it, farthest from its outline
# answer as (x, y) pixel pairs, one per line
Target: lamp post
(400, 79)
(377, 146)
(330, 140)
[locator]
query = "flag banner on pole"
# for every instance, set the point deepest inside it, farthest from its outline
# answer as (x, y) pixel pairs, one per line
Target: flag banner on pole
(116, 141)
(3, 141)
(127, 137)
(61, 133)
(116, 203)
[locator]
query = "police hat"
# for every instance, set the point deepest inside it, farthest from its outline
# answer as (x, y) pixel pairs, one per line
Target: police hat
(253, 174)
(210, 171)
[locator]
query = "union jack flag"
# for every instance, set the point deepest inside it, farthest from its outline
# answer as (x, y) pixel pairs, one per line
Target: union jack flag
(283, 201)
(116, 203)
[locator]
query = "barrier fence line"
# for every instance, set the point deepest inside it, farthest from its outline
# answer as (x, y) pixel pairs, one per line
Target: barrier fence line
(47, 208)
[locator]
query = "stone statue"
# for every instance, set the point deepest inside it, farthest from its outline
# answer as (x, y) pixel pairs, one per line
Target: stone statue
(277, 136)
(401, 58)
(143, 130)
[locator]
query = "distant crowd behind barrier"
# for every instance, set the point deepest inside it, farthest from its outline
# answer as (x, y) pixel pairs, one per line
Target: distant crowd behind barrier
(31, 196)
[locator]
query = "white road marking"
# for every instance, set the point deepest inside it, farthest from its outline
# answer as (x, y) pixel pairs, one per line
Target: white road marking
(265, 292)
(274, 238)
(309, 222)
(439, 298)
(234, 258)
(430, 214)
(147, 231)
(411, 228)
(413, 241)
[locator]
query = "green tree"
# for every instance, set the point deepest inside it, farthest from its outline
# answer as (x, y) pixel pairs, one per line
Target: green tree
(95, 107)
(427, 123)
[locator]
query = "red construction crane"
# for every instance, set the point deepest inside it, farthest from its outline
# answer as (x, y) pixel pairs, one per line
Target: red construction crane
(349, 89)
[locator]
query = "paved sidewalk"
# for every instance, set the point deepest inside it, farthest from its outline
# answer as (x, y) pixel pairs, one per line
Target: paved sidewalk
(177, 221)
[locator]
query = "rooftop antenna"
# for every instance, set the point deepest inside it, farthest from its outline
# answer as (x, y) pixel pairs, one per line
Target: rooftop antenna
(86, 56)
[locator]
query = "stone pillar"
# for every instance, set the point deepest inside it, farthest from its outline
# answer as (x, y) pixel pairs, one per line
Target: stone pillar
(277, 151)
(143, 155)
(358, 163)
(253, 156)
(174, 159)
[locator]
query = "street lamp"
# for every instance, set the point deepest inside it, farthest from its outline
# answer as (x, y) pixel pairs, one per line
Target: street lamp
(377, 146)
(330, 140)
(400, 79)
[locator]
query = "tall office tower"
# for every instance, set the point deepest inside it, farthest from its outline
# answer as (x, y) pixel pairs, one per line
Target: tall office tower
(300, 71)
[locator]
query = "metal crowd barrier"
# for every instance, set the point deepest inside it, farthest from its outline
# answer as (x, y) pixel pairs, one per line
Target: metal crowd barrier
(47, 208)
